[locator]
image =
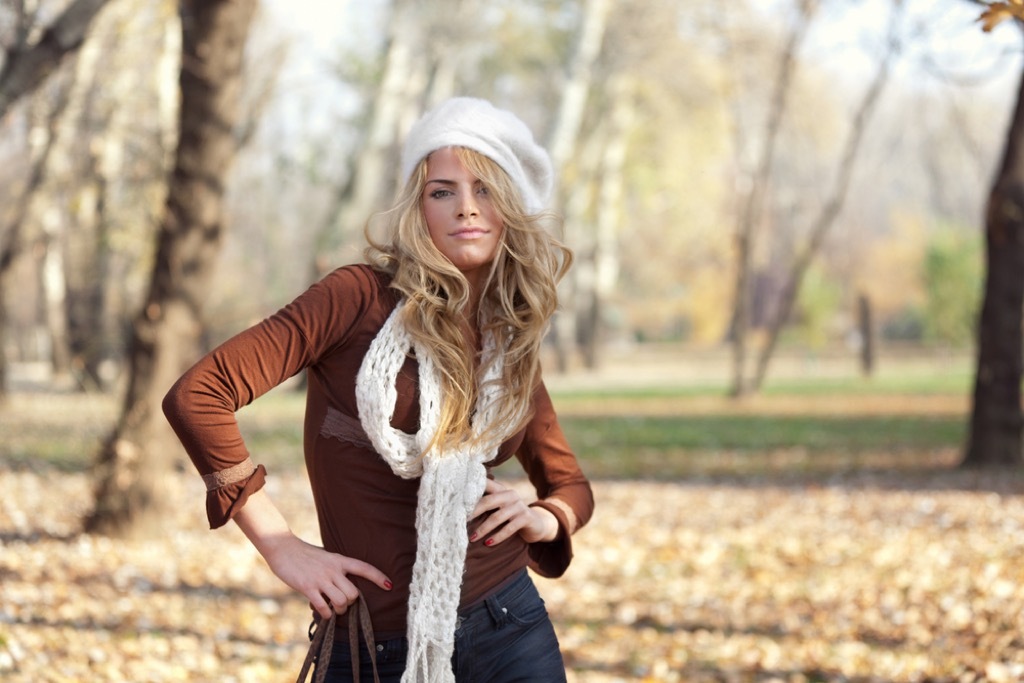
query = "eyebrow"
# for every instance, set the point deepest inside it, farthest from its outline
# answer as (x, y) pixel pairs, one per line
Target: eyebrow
(445, 181)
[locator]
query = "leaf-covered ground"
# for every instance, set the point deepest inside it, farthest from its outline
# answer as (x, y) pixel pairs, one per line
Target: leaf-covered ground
(875, 574)
(865, 566)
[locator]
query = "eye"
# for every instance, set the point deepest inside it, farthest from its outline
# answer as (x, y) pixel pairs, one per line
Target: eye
(483, 190)
(440, 193)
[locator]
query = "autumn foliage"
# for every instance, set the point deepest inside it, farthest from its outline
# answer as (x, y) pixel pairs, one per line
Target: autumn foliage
(997, 12)
(901, 568)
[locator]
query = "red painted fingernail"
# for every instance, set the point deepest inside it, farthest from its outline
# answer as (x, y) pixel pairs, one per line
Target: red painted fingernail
(473, 537)
(489, 541)
(388, 585)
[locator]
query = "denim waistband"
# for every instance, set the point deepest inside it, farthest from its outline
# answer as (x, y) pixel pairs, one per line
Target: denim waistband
(489, 612)
(493, 607)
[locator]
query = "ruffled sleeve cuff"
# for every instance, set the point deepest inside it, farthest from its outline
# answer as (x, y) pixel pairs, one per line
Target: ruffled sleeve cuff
(227, 491)
(550, 559)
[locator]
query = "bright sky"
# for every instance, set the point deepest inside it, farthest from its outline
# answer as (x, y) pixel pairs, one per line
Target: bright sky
(942, 40)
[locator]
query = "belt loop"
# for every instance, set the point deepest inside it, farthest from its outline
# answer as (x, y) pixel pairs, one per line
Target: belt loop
(498, 613)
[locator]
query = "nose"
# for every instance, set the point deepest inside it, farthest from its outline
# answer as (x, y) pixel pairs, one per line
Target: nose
(467, 205)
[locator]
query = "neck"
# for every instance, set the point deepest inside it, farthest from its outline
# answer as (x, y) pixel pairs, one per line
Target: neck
(476, 288)
(470, 328)
(475, 279)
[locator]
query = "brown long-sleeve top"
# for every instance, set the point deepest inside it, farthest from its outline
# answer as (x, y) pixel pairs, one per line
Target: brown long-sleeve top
(364, 510)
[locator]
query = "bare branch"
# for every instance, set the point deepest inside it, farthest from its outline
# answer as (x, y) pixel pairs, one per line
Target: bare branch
(26, 67)
(834, 203)
(750, 213)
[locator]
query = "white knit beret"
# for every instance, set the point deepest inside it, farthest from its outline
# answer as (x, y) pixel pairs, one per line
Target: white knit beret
(495, 133)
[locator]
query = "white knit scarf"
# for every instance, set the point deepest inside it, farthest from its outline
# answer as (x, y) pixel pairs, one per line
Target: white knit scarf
(452, 483)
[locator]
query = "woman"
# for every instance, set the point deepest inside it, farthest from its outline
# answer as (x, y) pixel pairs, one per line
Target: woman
(423, 374)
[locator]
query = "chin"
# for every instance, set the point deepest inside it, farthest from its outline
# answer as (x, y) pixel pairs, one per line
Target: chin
(472, 263)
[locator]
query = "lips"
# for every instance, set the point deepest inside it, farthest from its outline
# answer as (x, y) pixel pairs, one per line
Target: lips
(469, 232)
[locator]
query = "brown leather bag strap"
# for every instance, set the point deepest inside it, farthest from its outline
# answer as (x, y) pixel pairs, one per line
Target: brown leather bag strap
(322, 642)
(359, 618)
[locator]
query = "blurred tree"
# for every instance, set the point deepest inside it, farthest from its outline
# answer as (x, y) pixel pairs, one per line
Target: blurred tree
(267, 203)
(600, 267)
(62, 308)
(104, 178)
(26, 65)
(109, 174)
(866, 335)
(30, 54)
(563, 144)
(644, 184)
(264, 240)
(661, 277)
(996, 423)
(751, 213)
(137, 454)
(826, 217)
(372, 175)
(49, 107)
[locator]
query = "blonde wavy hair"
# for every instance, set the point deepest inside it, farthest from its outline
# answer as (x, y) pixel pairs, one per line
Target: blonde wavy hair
(518, 299)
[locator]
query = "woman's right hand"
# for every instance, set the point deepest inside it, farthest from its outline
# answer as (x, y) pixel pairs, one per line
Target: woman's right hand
(319, 575)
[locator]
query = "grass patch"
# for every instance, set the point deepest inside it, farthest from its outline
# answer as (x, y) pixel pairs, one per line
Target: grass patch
(676, 447)
(590, 435)
(951, 382)
(955, 382)
(622, 433)
(60, 452)
(275, 445)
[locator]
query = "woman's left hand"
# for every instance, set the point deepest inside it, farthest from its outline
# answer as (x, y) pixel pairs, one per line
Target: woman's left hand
(511, 515)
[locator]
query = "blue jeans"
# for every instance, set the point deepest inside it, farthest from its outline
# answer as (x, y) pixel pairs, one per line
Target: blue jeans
(506, 638)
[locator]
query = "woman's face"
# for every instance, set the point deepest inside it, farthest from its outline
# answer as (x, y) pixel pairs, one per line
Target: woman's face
(463, 223)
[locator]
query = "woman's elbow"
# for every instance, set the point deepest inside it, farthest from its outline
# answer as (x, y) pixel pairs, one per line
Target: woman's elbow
(175, 402)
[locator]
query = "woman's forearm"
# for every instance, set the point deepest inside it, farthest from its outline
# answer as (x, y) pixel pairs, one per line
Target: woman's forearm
(321, 576)
(263, 524)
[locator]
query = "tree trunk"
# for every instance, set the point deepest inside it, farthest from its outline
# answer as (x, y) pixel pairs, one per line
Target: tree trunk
(55, 291)
(753, 206)
(609, 205)
(996, 422)
(89, 252)
(562, 144)
(578, 209)
(15, 240)
(866, 326)
(72, 312)
(830, 211)
(140, 450)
